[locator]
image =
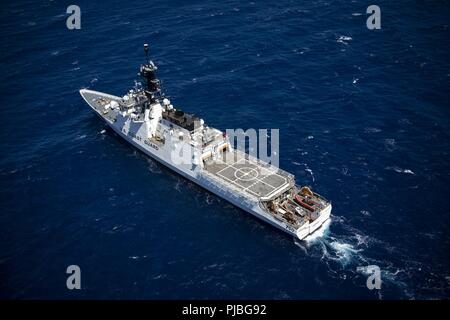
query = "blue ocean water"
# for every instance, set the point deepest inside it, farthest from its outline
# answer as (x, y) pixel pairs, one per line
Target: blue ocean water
(363, 118)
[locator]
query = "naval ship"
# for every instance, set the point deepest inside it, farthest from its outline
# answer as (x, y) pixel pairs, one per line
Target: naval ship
(146, 118)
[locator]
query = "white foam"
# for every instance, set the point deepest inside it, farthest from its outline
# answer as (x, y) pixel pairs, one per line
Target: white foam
(311, 173)
(400, 170)
(343, 250)
(81, 137)
(344, 39)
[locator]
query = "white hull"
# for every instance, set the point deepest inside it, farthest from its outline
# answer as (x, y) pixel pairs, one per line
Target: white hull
(206, 181)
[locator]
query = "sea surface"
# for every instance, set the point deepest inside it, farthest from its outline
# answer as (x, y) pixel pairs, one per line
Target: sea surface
(364, 118)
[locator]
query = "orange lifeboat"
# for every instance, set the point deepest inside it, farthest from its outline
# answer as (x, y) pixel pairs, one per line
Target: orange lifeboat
(303, 203)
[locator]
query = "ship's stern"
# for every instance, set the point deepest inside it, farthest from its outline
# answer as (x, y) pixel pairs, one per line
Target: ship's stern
(311, 227)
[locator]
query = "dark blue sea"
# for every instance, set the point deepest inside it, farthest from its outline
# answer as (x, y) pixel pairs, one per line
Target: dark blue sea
(364, 118)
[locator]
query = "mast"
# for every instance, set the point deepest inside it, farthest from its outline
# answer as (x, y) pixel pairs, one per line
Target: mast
(148, 72)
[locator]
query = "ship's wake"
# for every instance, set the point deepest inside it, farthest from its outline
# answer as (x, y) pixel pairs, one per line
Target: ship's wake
(347, 255)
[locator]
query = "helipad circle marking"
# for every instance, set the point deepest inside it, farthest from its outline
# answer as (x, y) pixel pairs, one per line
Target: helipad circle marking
(246, 174)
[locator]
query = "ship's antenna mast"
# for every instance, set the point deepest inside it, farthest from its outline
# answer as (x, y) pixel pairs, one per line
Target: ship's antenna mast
(146, 51)
(147, 71)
